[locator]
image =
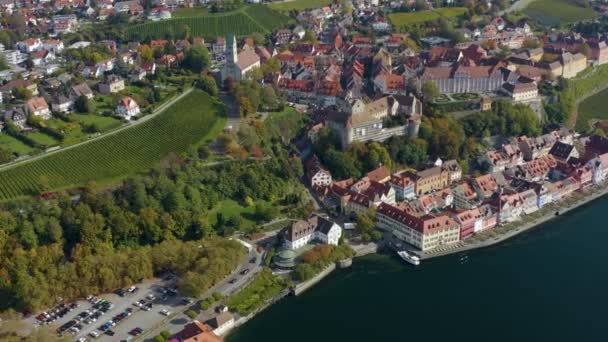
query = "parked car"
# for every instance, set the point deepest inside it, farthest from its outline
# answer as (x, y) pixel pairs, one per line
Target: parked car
(165, 312)
(245, 271)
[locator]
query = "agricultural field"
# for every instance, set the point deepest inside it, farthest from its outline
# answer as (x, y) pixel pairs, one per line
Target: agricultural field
(558, 12)
(299, 5)
(592, 109)
(192, 120)
(242, 22)
(185, 12)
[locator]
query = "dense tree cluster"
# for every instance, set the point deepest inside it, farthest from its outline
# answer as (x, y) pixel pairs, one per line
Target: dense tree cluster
(68, 247)
(356, 160)
(316, 259)
(506, 119)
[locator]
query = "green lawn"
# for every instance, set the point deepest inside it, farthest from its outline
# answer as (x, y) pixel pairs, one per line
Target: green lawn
(558, 12)
(43, 139)
(401, 19)
(230, 208)
(593, 108)
(104, 123)
(264, 286)
(299, 5)
(184, 12)
(14, 145)
(188, 122)
(452, 12)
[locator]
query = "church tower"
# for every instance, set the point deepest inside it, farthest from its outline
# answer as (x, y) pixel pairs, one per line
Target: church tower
(232, 57)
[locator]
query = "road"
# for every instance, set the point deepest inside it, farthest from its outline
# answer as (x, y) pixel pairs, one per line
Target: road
(176, 322)
(158, 110)
(232, 111)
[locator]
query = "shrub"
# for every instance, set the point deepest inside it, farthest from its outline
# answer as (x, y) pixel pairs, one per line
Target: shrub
(191, 313)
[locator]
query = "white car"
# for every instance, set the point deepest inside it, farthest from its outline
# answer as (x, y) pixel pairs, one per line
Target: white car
(94, 334)
(165, 312)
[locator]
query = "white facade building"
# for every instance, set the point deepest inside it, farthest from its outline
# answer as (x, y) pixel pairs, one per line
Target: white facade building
(316, 228)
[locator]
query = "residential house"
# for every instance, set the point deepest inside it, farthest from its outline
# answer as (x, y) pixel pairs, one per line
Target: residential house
(465, 197)
(315, 228)
(16, 116)
(62, 104)
(475, 220)
(195, 332)
(37, 106)
(112, 84)
(127, 108)
(83, 89)
(431, 179)
(562, 152)
(221, 323)
(404, 186)
(316, 174)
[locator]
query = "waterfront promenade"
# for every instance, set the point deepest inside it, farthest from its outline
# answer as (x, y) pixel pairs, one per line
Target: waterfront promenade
(502, 233)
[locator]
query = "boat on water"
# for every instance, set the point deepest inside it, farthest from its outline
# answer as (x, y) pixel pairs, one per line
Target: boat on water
(411, 258)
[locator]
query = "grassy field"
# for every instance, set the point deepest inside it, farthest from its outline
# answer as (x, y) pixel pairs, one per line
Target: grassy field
(593, 108)
(229, 208)
(43, 139)
(14, 145)
(299, 5)
(264, 287)
(195, 118)
(104, 123)
(451, 12)
(400, 19)
(558, 12)
(184, 12)
(242, 22)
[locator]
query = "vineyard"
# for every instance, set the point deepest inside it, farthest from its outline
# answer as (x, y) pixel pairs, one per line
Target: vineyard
(188, 121)
(242, 22)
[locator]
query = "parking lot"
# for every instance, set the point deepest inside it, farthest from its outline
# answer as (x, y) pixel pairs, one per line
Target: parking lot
(110, 317)
(151, 307)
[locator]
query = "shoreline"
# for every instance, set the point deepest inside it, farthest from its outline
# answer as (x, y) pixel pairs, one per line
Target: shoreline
(372, 248)
(557, 211)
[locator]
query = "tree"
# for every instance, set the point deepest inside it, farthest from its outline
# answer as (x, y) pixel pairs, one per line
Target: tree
(83, 104)
(305, 272)
(5, 155)
(192, 314)
(196, 58)
(258, 38)
(309, 36)
(585, 49)
(430, 90)
(366, 222)
(207, 83)
(3, 63)
(22, 93)
(145, 53)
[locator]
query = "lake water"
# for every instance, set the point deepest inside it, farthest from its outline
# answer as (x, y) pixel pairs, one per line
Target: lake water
(550, 284)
